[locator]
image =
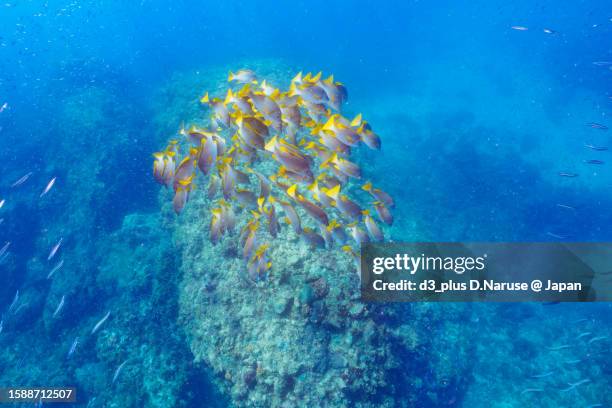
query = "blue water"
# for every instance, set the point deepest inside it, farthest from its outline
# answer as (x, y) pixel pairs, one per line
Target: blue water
(477, 120)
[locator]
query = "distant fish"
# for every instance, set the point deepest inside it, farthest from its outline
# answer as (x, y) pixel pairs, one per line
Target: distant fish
(602, 63)
(5, 248)
(118, 371)
(543, 375)
(15, 300)
(549, 31)
(582, 320)
(574, 385)
(596, 148)
(598, 338)
(21, 180)
(597, 126)
(100, 323)
(557, 348)
(529, 390)
(49, 186)
(55, 269)
(567, 207)
(4, 107)
(594, 161)
(584, 334)
(563, 174)
(59, 307)
(576, 361)
(552, 234)
(54, 249)
(73, 347)
(243, 76)
(519, 28)
(1, 325)
(2, 202)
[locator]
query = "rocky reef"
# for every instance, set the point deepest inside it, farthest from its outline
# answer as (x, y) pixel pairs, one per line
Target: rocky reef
(302, 337)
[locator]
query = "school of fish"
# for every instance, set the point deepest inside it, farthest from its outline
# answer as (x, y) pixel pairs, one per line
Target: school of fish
(303, 135)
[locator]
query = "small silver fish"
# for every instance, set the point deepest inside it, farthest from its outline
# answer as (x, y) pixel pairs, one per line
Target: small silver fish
(5, 248)
(4, 107)
(21, 180)
(543, 375)
(594, 161)
(55, 249)
(567, 207)
(73, 347)
(519, 28)
(581, 335)
(563, 174)
(596, 148)
(557, 348)
(598, 338)
(118, 370)
(2, 202)
(14, 303)
(595, 125)
(60, 306)
(55, 269)
(49, 186)
(100, 323)
(528, 390)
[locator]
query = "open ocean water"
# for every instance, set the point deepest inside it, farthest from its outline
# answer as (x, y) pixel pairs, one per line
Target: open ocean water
(494, 124)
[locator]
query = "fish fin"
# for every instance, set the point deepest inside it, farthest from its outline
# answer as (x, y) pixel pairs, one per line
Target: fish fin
(228, 97)
(205, 98)
(356, 121)
(367, 186)
(291, 191)
(297, 78)
(334, 192)
(230, 76)
(271, 144)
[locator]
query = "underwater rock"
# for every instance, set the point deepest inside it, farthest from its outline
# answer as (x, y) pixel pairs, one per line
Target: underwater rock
(307, 294)
(229, 330)
(282, 305)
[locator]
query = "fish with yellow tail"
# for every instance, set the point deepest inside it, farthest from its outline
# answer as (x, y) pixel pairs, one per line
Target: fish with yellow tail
(344, 166)
(221, 115)
(359, 235)
(252, 130)
(269, 210)
(312, 209)
(346, 206)
(164, 166)
(291, 216)
(243, 76)
(181, 194)
(337, 231)
(259, 263)
(343, 131)
(372, 227)
(269, 109)
(378, 194)
(312, 238)
(383, 212)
